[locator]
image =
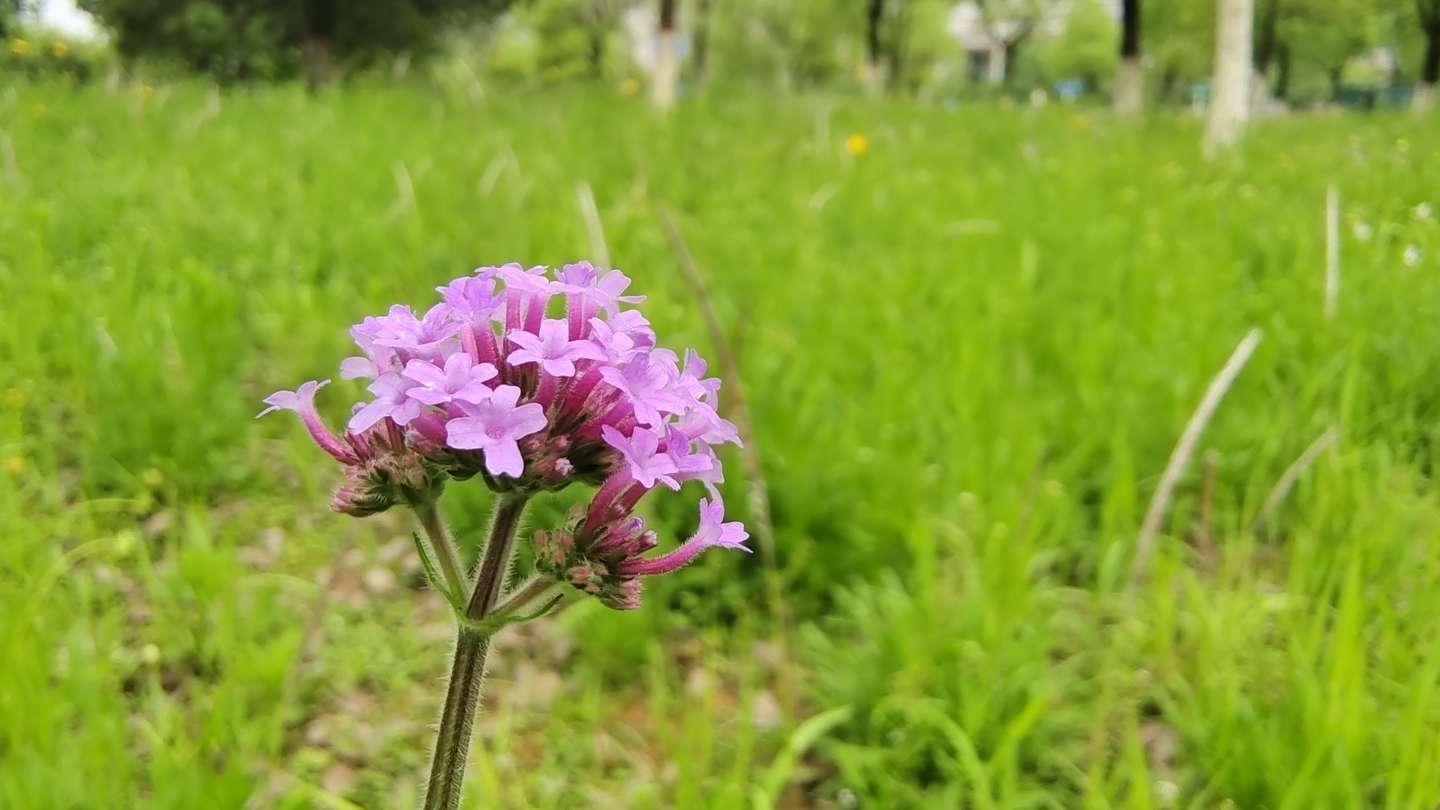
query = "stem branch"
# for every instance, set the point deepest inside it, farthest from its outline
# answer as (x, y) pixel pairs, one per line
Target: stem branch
(447, 556)
(462, 694)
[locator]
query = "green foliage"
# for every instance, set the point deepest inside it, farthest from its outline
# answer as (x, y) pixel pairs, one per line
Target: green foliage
(968, 352)
(801, 42)
(1178, 43)
(270, 39)
(1086, 48)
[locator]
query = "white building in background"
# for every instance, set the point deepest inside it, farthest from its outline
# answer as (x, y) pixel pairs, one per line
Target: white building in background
(65, 18)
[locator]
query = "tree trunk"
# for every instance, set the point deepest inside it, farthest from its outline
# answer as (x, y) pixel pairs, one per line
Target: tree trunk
(1266, 35)
(701, 61)
(1230, 93)
(874, 69)
(667, 68)
(895, 53)
(1430, 67)
(319, 60)
(317, 43)
(1266, 46)
(597, 53)
(1129, 78)
(995, 64)
(1283, 66)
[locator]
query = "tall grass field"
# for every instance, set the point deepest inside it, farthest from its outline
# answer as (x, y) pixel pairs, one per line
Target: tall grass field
(969, 341)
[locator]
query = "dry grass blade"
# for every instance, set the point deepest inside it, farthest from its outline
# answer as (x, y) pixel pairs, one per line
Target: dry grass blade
(1332, 250)
(758, 493)
(599, 250)
(1287, 480)
(1180, 456)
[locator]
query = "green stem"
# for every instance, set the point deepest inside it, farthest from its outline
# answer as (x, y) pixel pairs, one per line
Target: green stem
(462, 695)
(525, 594)
(446, 554)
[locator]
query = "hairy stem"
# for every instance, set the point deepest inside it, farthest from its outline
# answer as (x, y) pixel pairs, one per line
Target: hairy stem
(462, 694)
(525, 594)
(446, 554)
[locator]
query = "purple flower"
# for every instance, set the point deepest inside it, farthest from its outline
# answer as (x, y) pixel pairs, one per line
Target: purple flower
(575, 277)
(405, 334)
(689, 466)
(495, 425)
(391, 400)
(360, 368)
(700, 421)
(632, 323)
(473, 298)
(302, 402)
(643, 457)
(595, 290)
(618, 347)
(526, 293)
(462, 379)
(647, 387)
(691, 379)
(536, 404)
(553, 349)
(712, 533)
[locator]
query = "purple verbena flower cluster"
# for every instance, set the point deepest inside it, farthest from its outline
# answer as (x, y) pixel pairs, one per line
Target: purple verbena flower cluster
(487, 383)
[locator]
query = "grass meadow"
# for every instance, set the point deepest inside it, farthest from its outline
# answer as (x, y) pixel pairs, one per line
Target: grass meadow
(968, 351)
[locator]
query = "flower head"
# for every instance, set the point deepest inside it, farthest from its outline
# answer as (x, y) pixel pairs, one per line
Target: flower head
(483, 384)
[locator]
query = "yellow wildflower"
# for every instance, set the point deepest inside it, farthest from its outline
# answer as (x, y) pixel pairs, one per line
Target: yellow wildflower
(59, 47)
(857, 144)
(19, 47)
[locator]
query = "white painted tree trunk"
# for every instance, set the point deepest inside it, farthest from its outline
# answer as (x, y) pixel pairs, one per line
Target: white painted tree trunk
(1230, 89)
(1129, 86)
(667, 70)
(1424, 98)
(995, 64)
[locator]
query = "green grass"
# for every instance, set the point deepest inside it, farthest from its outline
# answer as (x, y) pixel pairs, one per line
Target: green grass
(969, 352)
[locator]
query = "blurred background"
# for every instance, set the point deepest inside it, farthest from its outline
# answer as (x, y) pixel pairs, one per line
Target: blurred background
(977, 263)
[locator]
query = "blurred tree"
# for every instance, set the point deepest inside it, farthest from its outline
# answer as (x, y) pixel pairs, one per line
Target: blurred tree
(667, 60)
(9, 14)
(1129, 80)
(1084, 48)
(884, 43)
(1008, 25)
(796, 42)
(1315, 37)
(1428, 13)
(244, 39)
(1179, 38)
(1230, 99)
(700, 49)
(575, 35)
